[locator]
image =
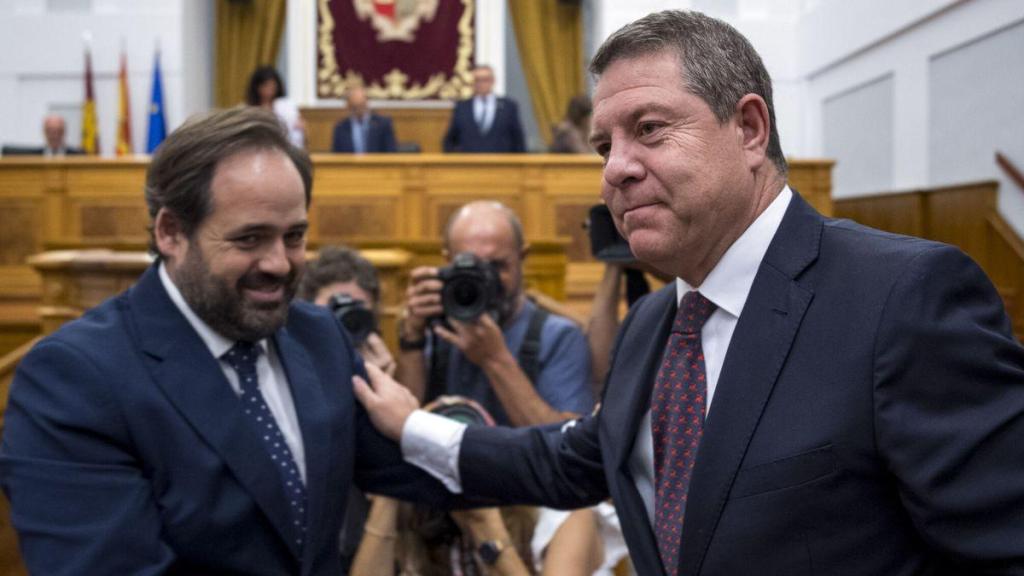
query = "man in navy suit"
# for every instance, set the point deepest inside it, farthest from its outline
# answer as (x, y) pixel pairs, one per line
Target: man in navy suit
(485, 122)
(200, 422)
(363, 132)
(54, 129)
(809, 396)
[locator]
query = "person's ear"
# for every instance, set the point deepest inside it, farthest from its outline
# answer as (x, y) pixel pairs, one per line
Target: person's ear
(524, 252)
(754, 124)
(169, 235)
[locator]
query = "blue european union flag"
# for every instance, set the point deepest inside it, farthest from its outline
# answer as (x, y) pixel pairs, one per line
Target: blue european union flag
(157, 122)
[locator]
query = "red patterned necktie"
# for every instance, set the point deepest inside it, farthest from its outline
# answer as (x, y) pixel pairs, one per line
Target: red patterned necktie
(677, 422)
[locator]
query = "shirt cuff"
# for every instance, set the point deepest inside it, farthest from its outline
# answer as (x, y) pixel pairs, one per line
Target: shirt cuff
(432, 443)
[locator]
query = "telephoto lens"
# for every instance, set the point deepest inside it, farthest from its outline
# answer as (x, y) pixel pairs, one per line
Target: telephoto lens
(471, 287)
(357, 319)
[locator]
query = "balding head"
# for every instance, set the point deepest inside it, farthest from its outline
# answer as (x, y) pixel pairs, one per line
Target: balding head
(357, 100)
(485, 217)
(53, 130)
(492, 232)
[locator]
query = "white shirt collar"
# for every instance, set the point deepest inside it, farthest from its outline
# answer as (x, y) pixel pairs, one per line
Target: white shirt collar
(216, 343)
(728, 284)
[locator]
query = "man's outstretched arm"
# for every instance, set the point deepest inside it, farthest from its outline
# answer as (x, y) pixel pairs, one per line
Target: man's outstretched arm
(557, 466)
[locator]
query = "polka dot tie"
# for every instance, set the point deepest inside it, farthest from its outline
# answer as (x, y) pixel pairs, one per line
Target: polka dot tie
(677, 422)
(242, 357)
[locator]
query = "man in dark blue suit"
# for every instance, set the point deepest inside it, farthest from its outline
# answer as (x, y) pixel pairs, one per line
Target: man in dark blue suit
(810, 396)
(485, 122)
(53, 132)
(363, 132)
(200, 422)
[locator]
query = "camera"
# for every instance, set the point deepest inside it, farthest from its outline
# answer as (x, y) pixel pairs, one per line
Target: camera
(471, 287)
(606, 244)
(357, 319)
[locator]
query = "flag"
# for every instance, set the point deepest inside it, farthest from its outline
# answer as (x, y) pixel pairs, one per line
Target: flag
(90, 125)
(124, 112)
(157, 122)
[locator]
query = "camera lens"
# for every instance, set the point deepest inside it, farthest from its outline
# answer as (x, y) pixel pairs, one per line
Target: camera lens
(357, 319)
(471, 287)
(465, 293)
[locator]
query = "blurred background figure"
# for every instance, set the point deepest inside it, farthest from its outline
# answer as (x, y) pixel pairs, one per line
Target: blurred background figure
(570, 135)
(485, 122)
(417, 540)
(346, 282)
(266, 90)
(363, 132)
(54, 129)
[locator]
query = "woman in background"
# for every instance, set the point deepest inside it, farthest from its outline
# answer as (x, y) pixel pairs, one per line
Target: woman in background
(266, 90)
(570, 135)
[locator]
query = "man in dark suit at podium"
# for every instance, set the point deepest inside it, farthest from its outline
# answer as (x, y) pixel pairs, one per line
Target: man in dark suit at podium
(363, 132)
(201, 422)
(485, 122)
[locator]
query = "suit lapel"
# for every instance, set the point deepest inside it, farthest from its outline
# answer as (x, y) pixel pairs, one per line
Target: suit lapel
(760, 344)
(637, 359)
(193, 381)
(646, 349)
(314, 422)
(346, 134)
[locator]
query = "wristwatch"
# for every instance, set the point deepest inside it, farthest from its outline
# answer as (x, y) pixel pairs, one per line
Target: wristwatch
(490, 550)
(404, 344)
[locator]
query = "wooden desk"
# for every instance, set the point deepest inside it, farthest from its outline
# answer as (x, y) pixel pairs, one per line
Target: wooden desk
(377, 200)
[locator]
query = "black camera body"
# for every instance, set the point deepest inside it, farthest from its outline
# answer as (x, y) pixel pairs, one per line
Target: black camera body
(471, 287)
(606, 244)
(357, 319)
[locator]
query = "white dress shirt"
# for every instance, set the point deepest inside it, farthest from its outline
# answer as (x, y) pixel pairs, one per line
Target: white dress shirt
(272, 380)
(483, 111)
(432, 442)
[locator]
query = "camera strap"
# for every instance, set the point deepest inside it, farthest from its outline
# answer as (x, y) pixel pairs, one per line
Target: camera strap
(528, 358)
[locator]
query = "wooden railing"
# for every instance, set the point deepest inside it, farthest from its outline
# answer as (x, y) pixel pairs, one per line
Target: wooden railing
(965, 216)
(370, 201)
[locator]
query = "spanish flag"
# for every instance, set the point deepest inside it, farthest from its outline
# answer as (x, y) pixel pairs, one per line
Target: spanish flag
(124, 111)
(90, 126)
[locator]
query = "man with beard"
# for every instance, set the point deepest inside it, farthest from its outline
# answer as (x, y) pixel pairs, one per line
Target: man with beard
(484, 359)
(201, 422)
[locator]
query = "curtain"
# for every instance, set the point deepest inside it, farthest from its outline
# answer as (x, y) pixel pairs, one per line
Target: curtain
(248, 36)
(550, 38)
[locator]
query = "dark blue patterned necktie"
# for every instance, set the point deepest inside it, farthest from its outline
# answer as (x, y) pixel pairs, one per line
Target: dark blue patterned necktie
(677, 423)
(242, 357)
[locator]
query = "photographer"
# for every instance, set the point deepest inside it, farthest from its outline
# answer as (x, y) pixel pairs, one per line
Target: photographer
(345, 282)
(547, 380)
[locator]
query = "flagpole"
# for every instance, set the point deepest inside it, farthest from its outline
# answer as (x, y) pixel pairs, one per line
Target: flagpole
(90, 125)
(157, 120)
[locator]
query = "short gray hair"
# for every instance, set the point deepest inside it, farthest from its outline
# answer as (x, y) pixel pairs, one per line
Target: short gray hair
(719, 65)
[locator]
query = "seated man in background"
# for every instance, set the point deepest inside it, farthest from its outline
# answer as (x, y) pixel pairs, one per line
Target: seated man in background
(54, 129)
(200, 422)
(523, 364)
(363, 132)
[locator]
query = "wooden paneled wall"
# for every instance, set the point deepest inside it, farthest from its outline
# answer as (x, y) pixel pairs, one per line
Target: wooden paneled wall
(963, 215)
(423, 126)
(373, 201)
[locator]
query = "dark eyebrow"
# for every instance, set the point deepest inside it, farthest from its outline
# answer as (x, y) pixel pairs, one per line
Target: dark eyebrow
(266, 228)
